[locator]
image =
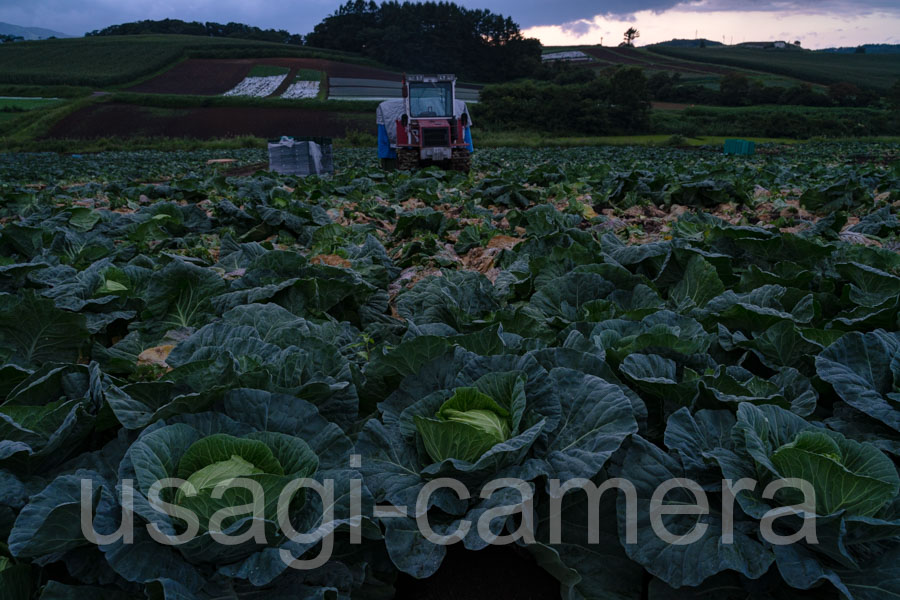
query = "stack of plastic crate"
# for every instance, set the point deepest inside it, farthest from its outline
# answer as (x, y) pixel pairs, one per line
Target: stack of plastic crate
(301, 156)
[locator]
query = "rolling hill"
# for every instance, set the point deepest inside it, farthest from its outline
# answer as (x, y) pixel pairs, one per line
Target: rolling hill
(116, 60)
(695, 43)
(873, 71)
(690, 71)
(30, 33)
(869, 49)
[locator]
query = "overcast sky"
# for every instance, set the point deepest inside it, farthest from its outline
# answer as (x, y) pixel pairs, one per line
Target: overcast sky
(817, 23)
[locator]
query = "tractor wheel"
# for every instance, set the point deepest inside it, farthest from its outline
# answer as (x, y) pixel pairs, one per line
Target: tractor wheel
(407, 159)
(461, 160)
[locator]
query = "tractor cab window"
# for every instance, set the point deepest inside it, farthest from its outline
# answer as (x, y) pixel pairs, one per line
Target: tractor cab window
(431, 99)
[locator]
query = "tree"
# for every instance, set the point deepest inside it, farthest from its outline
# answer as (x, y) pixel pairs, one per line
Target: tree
(803, 95)
(615, 102)
(734, 89)
(659, 86)
(860, 50)
(630, 36)
(629, 110)
(179, 27)
(764, 94)
(845, 94)
(431, 37)
(894, 95)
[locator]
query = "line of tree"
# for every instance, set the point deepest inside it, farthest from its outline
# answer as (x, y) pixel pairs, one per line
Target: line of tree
(209, 29)
(736, 89)
(431, 37)
(580, 102)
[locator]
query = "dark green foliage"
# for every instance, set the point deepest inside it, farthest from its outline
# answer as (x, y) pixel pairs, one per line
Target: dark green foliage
(209, 29)
(384, 330)
(734, 89)
(778, 121)
(615, 103)
(431, 37)
(894, 95)
(112, 60)
(875, 71)
(737, 89)
(847, 94)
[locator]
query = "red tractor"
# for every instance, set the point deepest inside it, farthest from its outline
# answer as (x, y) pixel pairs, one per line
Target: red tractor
(427, 126)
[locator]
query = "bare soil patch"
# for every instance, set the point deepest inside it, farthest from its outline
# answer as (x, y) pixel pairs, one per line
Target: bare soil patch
(126, 120)
(197, 76)
(669, 106)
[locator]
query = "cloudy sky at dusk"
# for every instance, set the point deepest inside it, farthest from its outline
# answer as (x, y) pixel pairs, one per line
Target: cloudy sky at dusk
(817, 23)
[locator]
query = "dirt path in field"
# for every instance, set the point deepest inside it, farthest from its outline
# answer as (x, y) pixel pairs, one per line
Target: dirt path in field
(282, 88)
(125, 121)
(669, 106)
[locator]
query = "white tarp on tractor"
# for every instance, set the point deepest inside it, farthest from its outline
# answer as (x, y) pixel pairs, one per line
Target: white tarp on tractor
(390, 111)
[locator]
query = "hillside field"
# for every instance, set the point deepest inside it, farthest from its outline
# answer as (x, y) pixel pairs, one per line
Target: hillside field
(117, 60)
(199, 76)
(773, 67)
(172, 86)
(878, 71)
(690, 71)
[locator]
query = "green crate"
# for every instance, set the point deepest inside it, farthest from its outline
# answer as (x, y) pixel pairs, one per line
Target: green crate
(740, 147)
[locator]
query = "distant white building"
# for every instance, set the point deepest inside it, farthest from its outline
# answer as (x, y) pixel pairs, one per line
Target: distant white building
(763, 45)
(573, 56)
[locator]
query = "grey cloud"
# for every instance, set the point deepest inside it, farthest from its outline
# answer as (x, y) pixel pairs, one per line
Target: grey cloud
(79, 16)
(578, 27)
(848, 7)
(530, 13)
(300, 16)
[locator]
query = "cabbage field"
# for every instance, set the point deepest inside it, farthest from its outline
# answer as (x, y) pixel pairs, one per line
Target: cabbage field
(221, 383)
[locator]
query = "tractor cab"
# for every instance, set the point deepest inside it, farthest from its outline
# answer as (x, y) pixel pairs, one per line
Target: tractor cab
(430, 97)
(428, 124)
